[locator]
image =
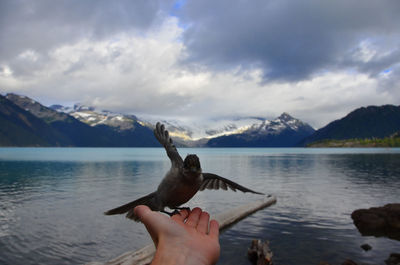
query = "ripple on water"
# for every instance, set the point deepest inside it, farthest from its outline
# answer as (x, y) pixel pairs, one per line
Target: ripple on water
(51, 206)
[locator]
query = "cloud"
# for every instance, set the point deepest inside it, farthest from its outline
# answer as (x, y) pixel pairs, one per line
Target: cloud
(43, 25)
(316, 60)
(123, 66)
(288, 40)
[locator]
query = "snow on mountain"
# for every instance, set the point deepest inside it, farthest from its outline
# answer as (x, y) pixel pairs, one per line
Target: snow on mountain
(284, 131)
(276, 126)
(218, 132)
(185, 129)
(93, 117)
(190, 129)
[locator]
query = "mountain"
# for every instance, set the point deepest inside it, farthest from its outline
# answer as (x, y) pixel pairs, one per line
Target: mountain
(284, 131)
(122, 130)
(365, 122)
(186, 130)
(90, 116)
(19, 127)
(186, 133)
(84, 126)
(25, 122)
(78, 133)
(81, 134)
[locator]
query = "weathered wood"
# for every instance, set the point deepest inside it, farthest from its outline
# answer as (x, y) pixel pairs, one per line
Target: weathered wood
(145, 255)
(232, 216)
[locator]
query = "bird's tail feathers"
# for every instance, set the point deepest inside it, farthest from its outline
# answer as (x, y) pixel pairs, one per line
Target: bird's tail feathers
(147, 200)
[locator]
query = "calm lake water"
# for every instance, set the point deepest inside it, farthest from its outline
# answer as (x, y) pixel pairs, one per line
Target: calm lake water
(52, 201)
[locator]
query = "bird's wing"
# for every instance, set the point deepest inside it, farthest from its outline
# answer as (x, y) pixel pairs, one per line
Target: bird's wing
(162, 136)
(215, 182)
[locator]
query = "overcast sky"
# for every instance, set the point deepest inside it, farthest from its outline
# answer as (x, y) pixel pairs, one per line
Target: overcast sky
(315, 59)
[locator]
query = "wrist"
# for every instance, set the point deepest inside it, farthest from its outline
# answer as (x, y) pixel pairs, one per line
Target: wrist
(176, 254)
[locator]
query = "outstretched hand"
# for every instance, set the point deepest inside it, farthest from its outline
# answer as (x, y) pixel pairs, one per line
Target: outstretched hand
(185, 238)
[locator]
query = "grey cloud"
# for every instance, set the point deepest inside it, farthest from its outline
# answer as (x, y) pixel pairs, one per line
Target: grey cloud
(390, 83)
(42, 55)
(289, 40)
(41, 25)
(377, 65)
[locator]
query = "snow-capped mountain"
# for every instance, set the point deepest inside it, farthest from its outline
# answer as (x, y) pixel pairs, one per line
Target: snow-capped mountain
(196, 129)
(56, 128)
(26, 122)
(276, 126)
(82, 125)
(93, 117)
(284, 131)
(194, 132)
(185, 129)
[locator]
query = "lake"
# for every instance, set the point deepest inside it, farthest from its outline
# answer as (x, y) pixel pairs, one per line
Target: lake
(52, 201)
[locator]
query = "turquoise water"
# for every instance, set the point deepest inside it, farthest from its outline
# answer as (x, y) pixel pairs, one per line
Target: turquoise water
(52, 200)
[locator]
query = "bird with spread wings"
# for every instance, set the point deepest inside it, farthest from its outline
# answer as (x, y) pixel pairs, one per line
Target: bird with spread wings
(184, 179)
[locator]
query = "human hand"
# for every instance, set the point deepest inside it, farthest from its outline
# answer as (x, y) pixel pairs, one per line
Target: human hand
(184, 238)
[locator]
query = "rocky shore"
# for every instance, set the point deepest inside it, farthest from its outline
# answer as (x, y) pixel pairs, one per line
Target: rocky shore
(378, 221)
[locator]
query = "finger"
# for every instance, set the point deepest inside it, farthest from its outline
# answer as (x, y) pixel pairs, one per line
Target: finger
(142, 212)
(214, 228)
(193, 218)
(150, 219)
(202, 226)
(183, 214)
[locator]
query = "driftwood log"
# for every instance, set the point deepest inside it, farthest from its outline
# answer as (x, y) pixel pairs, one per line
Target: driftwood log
(145, 255)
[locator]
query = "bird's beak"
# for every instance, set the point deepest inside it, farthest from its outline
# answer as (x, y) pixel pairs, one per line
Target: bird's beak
(193, 169)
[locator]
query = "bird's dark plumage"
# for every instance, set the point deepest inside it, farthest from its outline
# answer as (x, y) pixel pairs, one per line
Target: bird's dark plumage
(215, 182)
(162, 136)
(180, 183)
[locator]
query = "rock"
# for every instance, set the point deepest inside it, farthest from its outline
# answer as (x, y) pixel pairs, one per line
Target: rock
(259, 253)
(378, 221)
(394, 259)
(366, 247)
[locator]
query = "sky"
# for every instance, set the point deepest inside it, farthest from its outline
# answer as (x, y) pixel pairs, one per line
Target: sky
(316, 60)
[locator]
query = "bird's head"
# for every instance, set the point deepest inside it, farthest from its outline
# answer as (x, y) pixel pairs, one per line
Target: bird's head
(191, 165)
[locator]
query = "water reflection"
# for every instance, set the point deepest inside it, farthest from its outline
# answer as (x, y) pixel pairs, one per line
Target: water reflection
(52, 211)
(51, 203)
(376, 168)
(316, 195)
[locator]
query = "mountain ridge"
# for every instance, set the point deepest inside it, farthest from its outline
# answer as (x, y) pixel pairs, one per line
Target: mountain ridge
(364, 122)
(283, 131)
(85, 126)
(80, 134)
(183, 132)
(20, 127)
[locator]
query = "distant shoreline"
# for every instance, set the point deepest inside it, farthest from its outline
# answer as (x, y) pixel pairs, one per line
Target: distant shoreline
(388, 142)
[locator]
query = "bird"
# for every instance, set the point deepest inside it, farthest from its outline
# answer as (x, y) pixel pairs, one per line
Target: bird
(183, 180)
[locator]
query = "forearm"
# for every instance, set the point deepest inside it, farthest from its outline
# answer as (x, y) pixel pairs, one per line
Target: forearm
(167, 255)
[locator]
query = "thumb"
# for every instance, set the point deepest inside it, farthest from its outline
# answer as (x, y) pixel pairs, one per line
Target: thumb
(150, 219)
(141, 211)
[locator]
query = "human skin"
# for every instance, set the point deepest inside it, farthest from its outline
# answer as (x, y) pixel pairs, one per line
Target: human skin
(185, 238)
